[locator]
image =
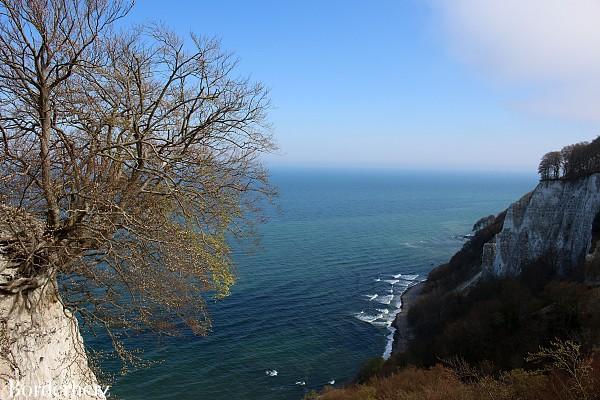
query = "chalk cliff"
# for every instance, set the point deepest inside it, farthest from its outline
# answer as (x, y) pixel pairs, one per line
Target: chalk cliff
(556, 219)
(42, 354)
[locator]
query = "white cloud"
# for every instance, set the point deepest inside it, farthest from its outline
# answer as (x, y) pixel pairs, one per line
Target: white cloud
(552, 47)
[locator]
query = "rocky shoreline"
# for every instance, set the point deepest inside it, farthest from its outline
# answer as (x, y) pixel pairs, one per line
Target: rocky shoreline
(403, 332)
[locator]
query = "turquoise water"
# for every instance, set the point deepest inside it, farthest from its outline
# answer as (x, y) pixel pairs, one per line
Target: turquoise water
(296, 307)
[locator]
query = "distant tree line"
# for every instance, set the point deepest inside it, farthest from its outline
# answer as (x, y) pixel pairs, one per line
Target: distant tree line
(572, 162)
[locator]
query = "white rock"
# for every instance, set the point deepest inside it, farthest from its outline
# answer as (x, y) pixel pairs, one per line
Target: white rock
(42, 350)
(556, 217)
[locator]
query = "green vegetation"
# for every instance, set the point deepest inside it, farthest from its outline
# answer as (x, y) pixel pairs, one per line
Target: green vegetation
(501, 321)
(535, 336)
(528, 338)
(129, 156)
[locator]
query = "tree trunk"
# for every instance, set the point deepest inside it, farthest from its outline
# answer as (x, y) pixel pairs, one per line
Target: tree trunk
(47, 184)
(41, 350)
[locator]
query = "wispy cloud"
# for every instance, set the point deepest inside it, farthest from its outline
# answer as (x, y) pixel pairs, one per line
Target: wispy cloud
(552, 47)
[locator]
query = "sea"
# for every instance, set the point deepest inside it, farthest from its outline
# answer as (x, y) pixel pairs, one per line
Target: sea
(315, 298)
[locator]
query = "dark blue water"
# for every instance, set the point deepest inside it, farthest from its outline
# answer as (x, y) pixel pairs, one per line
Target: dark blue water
(296, 307)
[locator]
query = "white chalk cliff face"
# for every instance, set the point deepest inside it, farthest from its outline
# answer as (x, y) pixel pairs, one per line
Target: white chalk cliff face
(556, 218)
(41, 348)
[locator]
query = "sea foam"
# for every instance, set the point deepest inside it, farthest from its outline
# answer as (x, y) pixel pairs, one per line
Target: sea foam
(385, 299)
(384, 317)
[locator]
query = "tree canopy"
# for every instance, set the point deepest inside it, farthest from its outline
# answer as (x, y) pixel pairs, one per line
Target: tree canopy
(572, 162)
(138, 154)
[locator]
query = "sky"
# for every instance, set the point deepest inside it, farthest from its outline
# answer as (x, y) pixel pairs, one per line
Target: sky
(452, 84)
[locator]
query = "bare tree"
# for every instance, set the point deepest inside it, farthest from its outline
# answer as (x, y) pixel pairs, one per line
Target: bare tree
(138, 155)
(568, 357)
(550, 166)
(544, 168)
(576, 160)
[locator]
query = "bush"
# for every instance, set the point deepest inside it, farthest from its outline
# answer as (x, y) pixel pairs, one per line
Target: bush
(353, 393)
(370, 369)
(500, 321)
(566, 373)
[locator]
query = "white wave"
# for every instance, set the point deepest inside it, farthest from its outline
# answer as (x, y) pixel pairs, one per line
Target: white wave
(271, 372)
(332, 382)
(404, 285)
(368, 318)
(392, 316)
(385, 317)
(405, 277)
(301, 383)
(410, 277)
(383, 324)
(390, 343)
(385, 299)
(398, 304)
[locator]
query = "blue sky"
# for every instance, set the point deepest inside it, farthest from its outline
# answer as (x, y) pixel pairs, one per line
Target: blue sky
(407, 83)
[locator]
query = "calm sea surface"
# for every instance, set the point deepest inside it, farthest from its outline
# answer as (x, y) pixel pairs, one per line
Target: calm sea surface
(313, 302)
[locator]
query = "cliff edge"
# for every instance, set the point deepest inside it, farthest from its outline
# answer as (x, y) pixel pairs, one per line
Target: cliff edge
(556, 220)
(42, 354)
(554, 228)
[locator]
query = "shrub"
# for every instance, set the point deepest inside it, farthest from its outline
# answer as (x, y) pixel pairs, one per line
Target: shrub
(370, 369)
(567, 373)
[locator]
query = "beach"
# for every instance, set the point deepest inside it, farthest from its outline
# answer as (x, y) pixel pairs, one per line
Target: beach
(403, 332)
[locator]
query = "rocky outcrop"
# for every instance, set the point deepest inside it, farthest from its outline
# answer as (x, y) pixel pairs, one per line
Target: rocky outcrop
(558, 220)
(42, 351)
(555, 220)
(484, 222)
